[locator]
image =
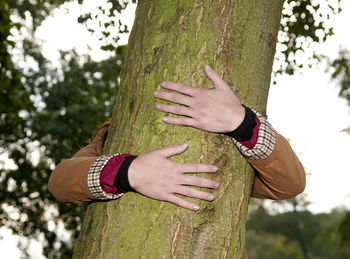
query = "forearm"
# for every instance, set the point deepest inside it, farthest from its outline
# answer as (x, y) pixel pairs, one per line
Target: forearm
(109, 176)
(279, 173)
(90, 178)
(68, 182)
(78, 179)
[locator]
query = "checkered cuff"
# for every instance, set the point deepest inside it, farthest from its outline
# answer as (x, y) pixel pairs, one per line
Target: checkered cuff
(94, 179)
(265, 143)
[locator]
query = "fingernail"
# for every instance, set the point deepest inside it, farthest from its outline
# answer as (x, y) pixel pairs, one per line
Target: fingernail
(215, 168)
(165, 119)
(207, 67)
(158, 106)
(156, 93)
(216, 185)
(185, 144)
(164, 84)
(196, 207)
(211, 197)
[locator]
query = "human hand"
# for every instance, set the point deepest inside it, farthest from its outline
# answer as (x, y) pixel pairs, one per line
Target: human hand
(216, 110)
(154, 175)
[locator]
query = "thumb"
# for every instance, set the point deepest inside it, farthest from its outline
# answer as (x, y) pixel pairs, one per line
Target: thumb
(215, 78)
(172, 150)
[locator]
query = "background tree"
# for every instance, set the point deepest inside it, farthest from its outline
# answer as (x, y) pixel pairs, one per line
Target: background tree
(41, 109)
(340, 68)
(67, 112)
(296, 233)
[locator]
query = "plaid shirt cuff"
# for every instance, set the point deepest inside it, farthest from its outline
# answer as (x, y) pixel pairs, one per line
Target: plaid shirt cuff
(94, 179)
(265, 143)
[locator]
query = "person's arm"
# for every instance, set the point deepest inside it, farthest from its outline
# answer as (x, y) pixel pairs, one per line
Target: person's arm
(69, 180)
(280, 174)
(89, 175)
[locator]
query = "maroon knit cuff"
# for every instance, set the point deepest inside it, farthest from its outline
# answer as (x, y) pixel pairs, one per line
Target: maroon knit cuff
(253, 140)
(109, 173)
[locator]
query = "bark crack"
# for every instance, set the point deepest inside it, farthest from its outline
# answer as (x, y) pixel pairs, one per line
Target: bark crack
(231, 230)
(205, 146)
(223, 35)
(137, 111)
(222, 11)
(176, 234)
(238, 211)
(199, 22)
(104, 223)
(241, 199)
(224, 68)
(149, 11)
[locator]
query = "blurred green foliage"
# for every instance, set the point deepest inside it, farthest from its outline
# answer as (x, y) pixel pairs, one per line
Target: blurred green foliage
(304, 23)
(72, 103)
(297, 233)
(14, 97)
(48, 113)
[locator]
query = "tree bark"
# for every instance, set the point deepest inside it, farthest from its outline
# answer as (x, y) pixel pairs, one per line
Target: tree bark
(172, 40)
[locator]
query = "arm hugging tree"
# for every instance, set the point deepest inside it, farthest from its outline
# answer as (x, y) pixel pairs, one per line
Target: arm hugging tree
(172, 41)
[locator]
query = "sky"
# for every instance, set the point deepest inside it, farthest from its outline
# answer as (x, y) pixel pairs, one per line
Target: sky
(305, 108)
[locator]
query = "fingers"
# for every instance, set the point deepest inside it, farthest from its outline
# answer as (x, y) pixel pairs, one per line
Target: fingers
(173, 97)
(193, 193)
(215, 77)
(189, 192)
(199, 182)
(180, 110)
(198, 168)
(181, 88)
(179, 121)
(172, 150)
(182, 203)
(191, 91)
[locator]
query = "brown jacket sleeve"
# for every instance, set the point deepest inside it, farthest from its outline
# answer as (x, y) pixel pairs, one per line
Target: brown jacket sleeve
(68, 181)
(280, 175)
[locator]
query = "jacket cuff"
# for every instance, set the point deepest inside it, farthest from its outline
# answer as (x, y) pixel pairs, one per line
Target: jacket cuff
(93, 180)
(251, 142)
(121, 180)
(265, 142)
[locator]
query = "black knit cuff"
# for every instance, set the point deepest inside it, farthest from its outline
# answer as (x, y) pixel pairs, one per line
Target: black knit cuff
(121, 180)
(245, 131)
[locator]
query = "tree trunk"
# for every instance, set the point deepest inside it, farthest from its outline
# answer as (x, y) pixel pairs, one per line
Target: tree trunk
(172, 40)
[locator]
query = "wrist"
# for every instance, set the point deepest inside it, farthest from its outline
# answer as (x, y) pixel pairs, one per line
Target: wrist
(244, 131)
(241, 113)
(233, 119)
